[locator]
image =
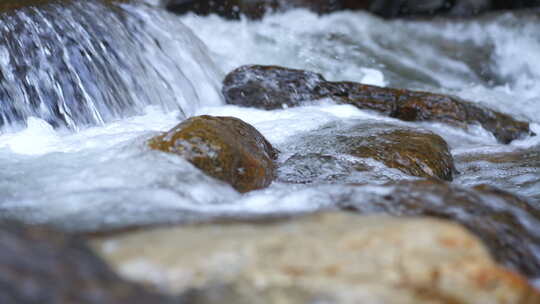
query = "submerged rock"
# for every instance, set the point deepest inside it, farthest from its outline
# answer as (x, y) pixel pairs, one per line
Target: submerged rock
(518, 170)
(331, 258)
(508, 225)
(39, 265)
(308, 167)
(272, 87)
(412, 151)
(223, 147)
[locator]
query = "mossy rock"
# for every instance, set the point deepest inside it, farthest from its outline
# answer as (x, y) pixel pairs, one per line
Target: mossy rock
(422, 154)
(223, 147)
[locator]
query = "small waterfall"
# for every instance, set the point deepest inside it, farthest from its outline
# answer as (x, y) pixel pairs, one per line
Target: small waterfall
(86, 62)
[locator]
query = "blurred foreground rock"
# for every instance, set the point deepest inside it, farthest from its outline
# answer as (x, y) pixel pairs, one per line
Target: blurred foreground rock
(42, 266)
(324, 258)
(508, 225)
(223, 147)
(413, 151)
(273, 87)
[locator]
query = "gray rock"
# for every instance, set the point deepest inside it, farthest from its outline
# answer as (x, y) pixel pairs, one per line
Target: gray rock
(42, 266)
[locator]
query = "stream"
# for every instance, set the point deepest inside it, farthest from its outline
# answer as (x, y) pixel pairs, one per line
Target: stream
(80, 96)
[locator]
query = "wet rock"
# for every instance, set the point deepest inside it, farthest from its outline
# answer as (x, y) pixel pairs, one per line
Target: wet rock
(39, 265)
(467, 8)
(509, 225)
(412, 151)
(231, 9)
(272, 87)
(423, 106)
(386, 8)
(331, 258)
(382, 100)
(416, 153)
(521, 157)
(223, 147)
(255, 9)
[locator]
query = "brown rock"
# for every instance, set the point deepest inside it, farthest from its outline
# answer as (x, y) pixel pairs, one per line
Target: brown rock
(423, 106)
(507, 224)
(518, 158)
(272, 87)
(416, 153)
(362, 96)
(39, 265)
(334, 257)
(412, 151)
(223, 147)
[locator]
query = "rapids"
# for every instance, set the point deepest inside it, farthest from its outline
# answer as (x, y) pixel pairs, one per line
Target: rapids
(80, 95)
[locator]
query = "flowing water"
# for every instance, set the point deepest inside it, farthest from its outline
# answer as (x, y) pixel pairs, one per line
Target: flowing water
(80, 94)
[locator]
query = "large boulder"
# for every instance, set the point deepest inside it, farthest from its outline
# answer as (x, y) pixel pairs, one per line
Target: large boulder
(39, 265)
(509, 225)
(412, 151)
(223, 147)
(272, 87)
(324, 258)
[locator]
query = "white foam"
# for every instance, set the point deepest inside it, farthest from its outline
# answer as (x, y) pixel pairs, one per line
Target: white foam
(278, 125)
(38, 138)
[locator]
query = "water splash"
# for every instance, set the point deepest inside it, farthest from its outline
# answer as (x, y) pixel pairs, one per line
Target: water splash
(60, 63)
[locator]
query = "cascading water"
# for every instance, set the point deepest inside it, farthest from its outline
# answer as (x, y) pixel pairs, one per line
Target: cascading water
(84, 63)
